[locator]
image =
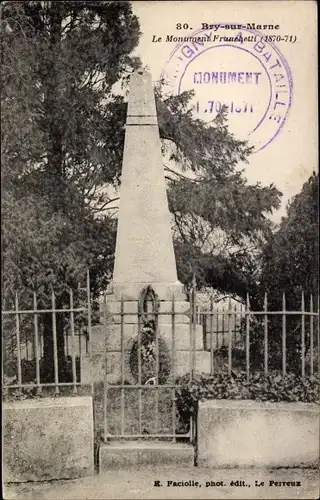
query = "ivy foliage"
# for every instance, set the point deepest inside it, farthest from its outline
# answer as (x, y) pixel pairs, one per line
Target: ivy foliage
(272, 388)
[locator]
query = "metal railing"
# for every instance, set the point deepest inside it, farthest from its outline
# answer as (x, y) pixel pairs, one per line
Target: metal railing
(236, 332)
(238, 321)
(243, 327)
(214, 322)
(25, 357)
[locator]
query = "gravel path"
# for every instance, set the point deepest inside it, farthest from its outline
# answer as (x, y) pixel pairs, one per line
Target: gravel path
(140, 484)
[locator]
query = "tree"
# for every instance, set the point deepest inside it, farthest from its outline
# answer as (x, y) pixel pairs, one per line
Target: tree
(60, 61)
(290, 260)
(57, 111)
(290, 268)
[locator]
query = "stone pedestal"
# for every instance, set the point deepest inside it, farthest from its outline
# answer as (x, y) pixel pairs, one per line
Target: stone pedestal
(184, 342)
(186, 345)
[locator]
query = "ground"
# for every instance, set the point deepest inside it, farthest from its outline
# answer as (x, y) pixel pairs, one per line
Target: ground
(139, 484)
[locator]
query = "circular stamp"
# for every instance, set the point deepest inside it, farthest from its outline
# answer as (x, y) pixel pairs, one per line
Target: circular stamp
(244, 71)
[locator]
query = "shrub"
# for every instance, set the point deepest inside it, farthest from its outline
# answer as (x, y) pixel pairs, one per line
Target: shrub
(28, 370)
(272, 387)
(16, 394)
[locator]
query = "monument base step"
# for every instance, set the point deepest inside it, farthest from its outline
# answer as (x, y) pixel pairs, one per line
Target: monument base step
(122, 455)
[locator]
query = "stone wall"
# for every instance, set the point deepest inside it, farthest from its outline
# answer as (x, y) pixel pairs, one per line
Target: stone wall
(248, 433)
(49, 438)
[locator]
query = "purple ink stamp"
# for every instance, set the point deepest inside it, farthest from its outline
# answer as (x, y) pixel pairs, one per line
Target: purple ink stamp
(242, 69)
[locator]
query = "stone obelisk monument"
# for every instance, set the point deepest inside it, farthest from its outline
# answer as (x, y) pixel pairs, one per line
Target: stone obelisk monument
(144, 249)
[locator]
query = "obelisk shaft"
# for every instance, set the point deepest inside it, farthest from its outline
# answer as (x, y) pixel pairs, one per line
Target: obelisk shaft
(144, 248)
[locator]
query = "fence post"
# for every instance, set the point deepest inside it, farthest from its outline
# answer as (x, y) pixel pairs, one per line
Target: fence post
(173, 368)
(73, 359)
(266, 334)
(122, 396)
(18, 340)
(105, 385)
(230, 337)
(140, 315)
(194, 306)
(211, 335)
(303, 339)
(155, 305)
(223, 326)
(190, 335)
(318, 335)
(248, 337)
(89, 311)
(284, 334)
(36, 342)
(4, 354)
(55, 346)
(311, 335)
(235, 311)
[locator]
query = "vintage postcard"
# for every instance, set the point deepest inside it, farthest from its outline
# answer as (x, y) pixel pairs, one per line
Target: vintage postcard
(160, 292)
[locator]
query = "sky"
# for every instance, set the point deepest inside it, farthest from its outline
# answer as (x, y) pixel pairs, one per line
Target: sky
(289, 157)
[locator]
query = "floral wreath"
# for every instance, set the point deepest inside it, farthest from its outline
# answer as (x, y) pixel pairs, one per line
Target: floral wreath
(148, 356)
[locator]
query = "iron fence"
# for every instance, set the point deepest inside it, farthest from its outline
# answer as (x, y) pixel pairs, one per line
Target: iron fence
(243, 329)
(244, 326)
(32, 359)
(236, 338)
(215, 324)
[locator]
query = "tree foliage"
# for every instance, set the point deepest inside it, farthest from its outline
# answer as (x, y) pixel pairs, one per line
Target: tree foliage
(289, 277)
(290, 261)
(60, 61)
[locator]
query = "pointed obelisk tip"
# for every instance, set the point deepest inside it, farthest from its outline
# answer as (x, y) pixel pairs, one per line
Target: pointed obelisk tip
(142, 73)
(141, 96)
